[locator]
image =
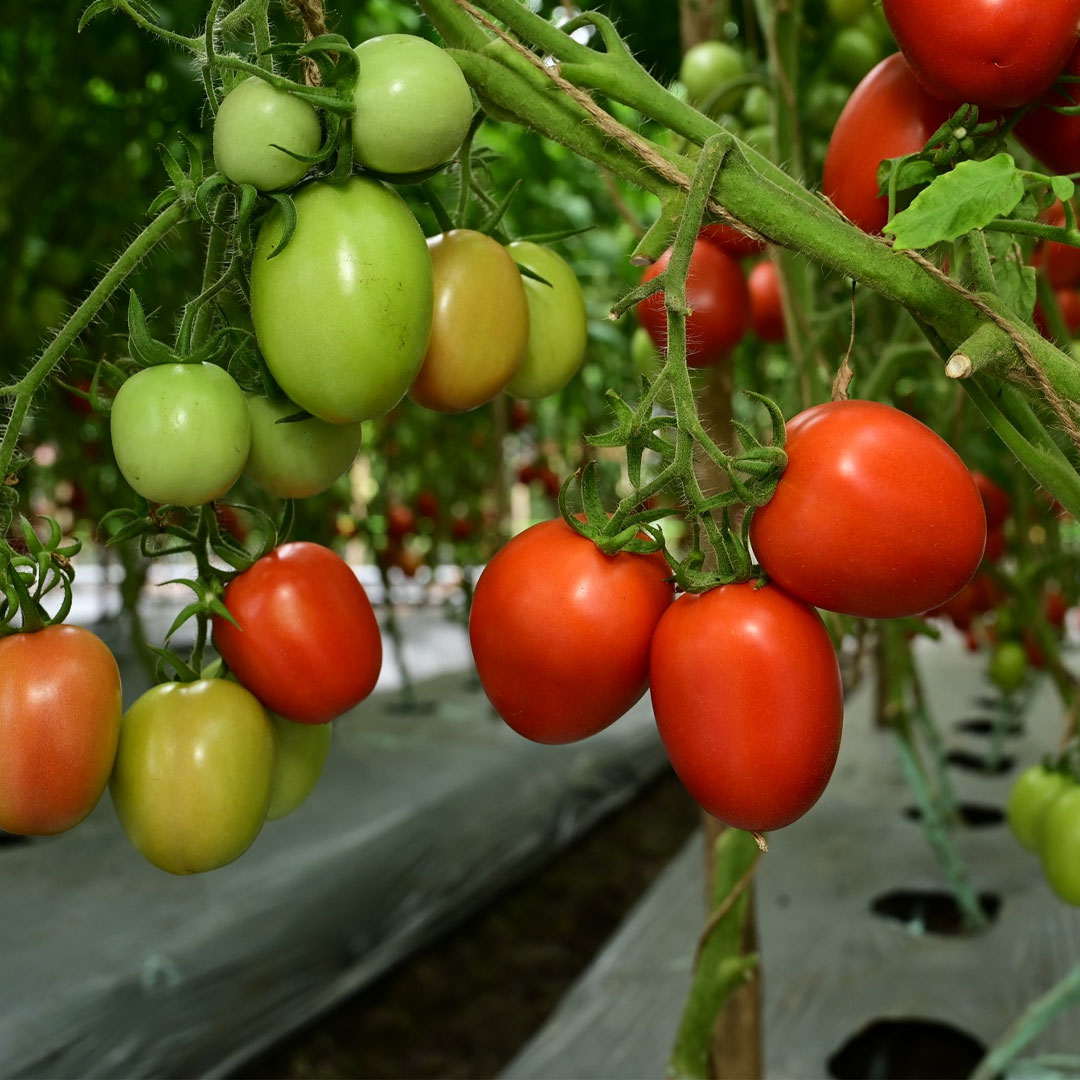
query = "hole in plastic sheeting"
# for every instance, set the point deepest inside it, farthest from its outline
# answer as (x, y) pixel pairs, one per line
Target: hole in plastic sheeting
(926, 911)
(12, 840)
(907, 1049)
(964, 759)
(984, 726)
(972, 815)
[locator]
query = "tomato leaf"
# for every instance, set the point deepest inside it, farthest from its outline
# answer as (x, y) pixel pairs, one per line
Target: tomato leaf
(96, 8)
(1063, 187)
(968, 197)
(1014, 278)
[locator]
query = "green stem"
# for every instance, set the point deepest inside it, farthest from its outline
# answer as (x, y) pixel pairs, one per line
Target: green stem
(193, 44)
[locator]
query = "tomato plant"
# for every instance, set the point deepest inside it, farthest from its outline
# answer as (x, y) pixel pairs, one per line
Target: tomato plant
(875, 514)
(180, 432)
(731, 241)
(480, 330)
(1059, 844)
(1054, 137)
(560, 632)
(766, 304)
(194, 772)
(342, 314)
(1031, 795)
(747, 696)
(307, 644)
(59, 721)
(718, 299)
(706, 68)
(302, 750)
(254, 126)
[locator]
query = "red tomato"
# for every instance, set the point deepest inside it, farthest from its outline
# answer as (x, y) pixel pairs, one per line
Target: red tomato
(560, 632)
(60, 715)
(1060, 262)
(427, 505)
(400, 521)
(1055, 606)
(996, 502)
(995, 55)
(888, 114)
(747, 696)
(995, 545)
(731, 241)
(719, 303)
(1051, 137)
(461, 528)
(766, 307)
(875, 514)
(308, 645)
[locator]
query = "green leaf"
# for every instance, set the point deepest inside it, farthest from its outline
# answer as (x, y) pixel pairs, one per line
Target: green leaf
(96, 8)
(1063, 187)
(1014, 278)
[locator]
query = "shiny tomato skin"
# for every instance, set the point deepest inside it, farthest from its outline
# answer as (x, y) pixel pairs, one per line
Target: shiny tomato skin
(1059, 844)
(719, 303)
(60, 714)
(766, 305)
(888, 114)
(1031, 795)
(480, 328)
(731, 240)
(875, 515)
(747, 696)
(308, 646)
(560, 632)
(1050, 136)
(992, 54)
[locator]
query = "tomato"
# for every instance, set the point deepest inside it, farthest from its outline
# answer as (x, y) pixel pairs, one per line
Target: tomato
(875, 514)
(747, 696)
(308, 644)
(301, 458)
(59, 721)
(193, 776)
(853, 53)
(342, 315)
(996, 502)
(461, 528)
(888, 115)
(1035, 789)
(847, 11)
(480, 330)
(1060, 262)
(731, 240)
(520, 416)
(719, 304)
(766, 305)
(706, 67)
(1050, 136)
(413, 106)
(644, 355)
(996, 545)
(1059, 845)
(560, 632)
(1068, 302)
(1055, 607)
(558, 323)
(1008, 666)
(400, 521)
(427, 505)
(992, 54)
(302, 750)
(180, 432)
(977, 597)
(254, 126)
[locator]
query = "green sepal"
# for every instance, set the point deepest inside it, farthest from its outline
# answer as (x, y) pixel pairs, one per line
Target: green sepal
(288, 210)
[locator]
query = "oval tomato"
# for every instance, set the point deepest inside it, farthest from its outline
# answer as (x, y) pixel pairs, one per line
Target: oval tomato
(59, 721)
(992, 54)
(719, 303)
(1035, 789)
(180, 432)
(747, 695)
(1059, 844)
(888, 114)
(193, 775)
(766, 304)
(1053, 137)
(706, 68)
(1008, 666)
(308, 644)
(558, 322)
(302, 750)
(731, 240)
(480, 329)
(343, 313)
(301, 458)
(560, 632)
(875, 514)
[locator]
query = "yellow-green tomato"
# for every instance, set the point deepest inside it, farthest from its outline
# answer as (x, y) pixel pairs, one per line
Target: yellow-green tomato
(480, 329)
(558, 323)
(301, 755)
(644, 354)
(1035, 789)
(343, 313)
(706, 68)
(301, 458)
(254, 126)
(194, 772)
(1059, 845)
(413, 106)
(180, 432)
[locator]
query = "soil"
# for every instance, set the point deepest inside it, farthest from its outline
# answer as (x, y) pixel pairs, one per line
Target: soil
(463, 1007)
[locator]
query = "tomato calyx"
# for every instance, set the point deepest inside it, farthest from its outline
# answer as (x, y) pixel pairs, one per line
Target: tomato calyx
(30, 568)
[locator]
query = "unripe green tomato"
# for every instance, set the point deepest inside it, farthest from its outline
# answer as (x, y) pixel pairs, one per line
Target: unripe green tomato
(847, 11)
(413, 105)
(644, 355)
(251, 123)
(193, 774)
(302, 750)
(825, 102)
(853, 53)
(757, 106)
(1035, 789)
(706, 67)
(301, 458)
(762, 138)
(1059, 845)
(180, 432)
(1008, 666)
(558, 323)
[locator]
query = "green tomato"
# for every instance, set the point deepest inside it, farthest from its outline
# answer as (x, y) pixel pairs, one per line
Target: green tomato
(558, 323)
(1035, 789)
(1059, 845)
(707, 67)
(302, 750)
(644, 354)
(762, 138)
(847, 11)
(1008, 666)
(853, 53)
(252, 123)
(301, 458)
(343, 313)
(757, 106)
(193, 775)
(825, 102)
(413, 105)
(180, 432)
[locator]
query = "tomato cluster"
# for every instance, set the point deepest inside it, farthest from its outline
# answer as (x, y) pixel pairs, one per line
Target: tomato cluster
(1044, 814)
